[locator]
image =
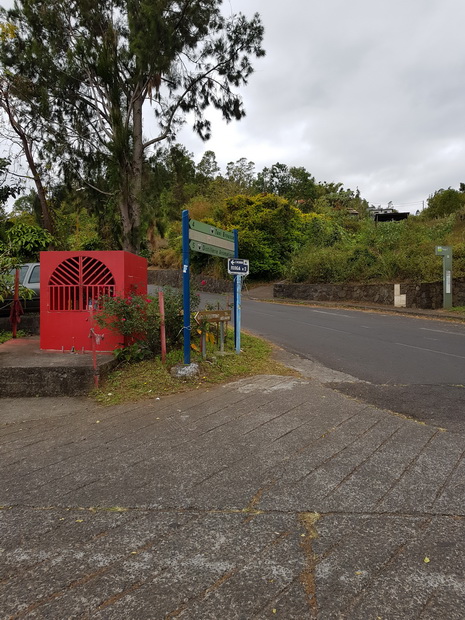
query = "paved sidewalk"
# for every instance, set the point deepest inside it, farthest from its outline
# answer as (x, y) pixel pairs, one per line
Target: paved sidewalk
(271, 497)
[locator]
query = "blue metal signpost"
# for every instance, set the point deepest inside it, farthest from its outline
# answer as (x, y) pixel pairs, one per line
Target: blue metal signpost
(186, 287)
(208, 239)
(237, 299)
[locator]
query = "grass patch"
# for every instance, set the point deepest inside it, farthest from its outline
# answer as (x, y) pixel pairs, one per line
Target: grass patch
(4, 336)
(459, 310)
(152, 379)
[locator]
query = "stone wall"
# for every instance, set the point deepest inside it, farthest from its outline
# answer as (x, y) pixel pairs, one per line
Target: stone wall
(30, 323)
(173, 277)
(425, 295)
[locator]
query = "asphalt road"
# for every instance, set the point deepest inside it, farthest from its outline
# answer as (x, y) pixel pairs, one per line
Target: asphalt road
(374, 347)
(412, 366)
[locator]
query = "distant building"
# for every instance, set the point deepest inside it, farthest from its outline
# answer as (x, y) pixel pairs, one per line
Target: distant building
(388, 214)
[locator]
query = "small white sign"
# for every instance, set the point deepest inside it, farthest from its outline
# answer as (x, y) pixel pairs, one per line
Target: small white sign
(238, 266)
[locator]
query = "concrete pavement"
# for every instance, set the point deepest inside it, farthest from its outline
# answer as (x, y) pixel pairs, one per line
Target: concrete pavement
(270, 497)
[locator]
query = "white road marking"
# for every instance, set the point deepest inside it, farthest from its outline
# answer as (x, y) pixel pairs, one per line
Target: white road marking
(442, 331)
(401, 344)
(333, 313)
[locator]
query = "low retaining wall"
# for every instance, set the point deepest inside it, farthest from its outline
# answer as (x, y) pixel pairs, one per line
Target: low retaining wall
(425, 295)
(30, 323)
(173, 277)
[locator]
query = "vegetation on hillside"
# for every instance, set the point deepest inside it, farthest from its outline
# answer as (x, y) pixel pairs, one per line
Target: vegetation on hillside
(76, 79)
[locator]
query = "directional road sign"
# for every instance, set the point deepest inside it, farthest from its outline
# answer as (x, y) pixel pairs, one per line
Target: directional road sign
(210, 240)
(214, 250)
(238, 266)
(214, 316)
(210, 230)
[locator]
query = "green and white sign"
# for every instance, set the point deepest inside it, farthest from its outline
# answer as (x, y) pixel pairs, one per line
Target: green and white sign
(210, 240)
(207, 248)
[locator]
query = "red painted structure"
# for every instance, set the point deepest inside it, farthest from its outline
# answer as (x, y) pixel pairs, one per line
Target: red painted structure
(72, 281)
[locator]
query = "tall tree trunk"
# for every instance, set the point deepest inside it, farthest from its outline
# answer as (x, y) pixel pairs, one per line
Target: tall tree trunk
(46, 215)
(136, 169)
(27, 148)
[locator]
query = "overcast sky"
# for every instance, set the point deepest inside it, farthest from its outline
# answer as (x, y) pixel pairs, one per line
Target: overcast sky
(369, 93)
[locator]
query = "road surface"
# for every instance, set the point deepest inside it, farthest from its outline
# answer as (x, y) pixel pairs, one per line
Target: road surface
(413, 366)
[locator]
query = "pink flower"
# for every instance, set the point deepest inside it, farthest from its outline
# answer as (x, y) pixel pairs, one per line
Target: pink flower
(203, 283)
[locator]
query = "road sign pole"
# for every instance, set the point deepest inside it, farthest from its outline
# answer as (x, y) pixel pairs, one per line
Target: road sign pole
(446, 252)
(236, 310)
(186, 287)
(237, 322)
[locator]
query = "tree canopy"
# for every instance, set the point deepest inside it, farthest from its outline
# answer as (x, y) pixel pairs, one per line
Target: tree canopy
(80, 73)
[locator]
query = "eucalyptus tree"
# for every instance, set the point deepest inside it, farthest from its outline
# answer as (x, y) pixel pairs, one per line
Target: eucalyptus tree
(89, 68)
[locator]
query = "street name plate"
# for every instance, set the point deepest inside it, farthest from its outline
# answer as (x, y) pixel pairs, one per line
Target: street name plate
(238, 266)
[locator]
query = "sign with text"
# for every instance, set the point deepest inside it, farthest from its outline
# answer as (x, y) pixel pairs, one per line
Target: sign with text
(213, 316)
(207, 248)
(210, 240)
(238, 266)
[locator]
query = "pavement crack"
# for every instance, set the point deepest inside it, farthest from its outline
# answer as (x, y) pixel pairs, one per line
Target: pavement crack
(365, 460)
(447, 480)
(202, 595)
(116, 597)
(407, 468)
(330, 458)
(346, 612)
(308, 521)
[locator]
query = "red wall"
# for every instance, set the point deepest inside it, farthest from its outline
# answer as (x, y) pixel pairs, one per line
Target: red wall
(65, 329)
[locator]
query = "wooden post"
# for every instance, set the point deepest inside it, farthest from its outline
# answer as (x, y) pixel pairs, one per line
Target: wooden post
(161, 302)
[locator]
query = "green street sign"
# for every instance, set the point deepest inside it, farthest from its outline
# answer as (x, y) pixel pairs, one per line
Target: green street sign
(211, 230)
(214, 250)
(446, 252)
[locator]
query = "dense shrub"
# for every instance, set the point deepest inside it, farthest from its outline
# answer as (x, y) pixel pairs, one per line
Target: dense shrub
(137, 319)
(391, 251)
(270, 230)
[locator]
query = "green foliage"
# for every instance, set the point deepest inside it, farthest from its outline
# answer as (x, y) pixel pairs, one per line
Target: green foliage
(137, 319)
(270, 231)
(8, 264)
(444, 202)
(391, 251)
(5, 336)
(82, 71)
(323, 230)
(25, 241)
(7, 190)
(75, 227)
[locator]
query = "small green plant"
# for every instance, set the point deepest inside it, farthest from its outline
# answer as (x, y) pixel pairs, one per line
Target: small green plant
(5, 336)
(137, 319)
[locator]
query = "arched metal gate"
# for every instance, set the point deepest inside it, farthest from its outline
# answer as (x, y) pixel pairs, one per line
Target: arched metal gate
(78, 283)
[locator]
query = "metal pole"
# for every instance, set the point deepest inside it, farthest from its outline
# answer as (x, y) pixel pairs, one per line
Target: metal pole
(186, 287)
(238, 315)
(447, 277)
(236, 312)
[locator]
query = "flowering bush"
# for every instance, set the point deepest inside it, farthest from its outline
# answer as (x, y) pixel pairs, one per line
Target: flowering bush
(137, 319)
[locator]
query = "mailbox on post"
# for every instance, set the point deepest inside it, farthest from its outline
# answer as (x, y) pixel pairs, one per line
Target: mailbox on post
(70, 285)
